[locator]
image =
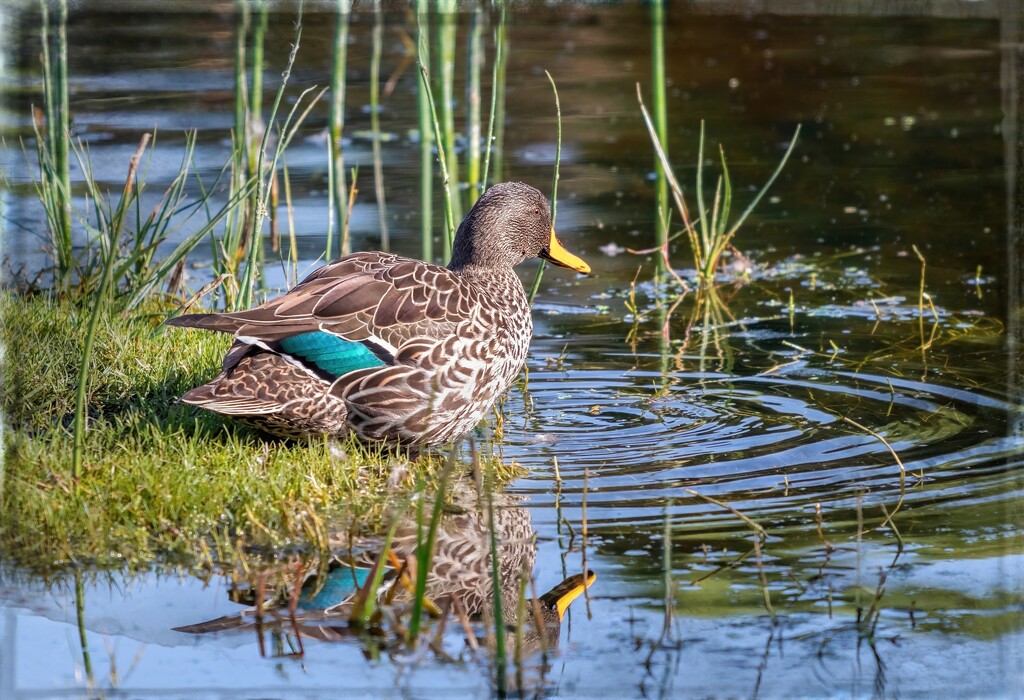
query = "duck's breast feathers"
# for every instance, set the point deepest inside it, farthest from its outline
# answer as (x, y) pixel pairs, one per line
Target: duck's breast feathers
(384, 299)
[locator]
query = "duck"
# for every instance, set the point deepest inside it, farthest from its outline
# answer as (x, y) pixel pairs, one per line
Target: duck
(387, 348)
(459, 574)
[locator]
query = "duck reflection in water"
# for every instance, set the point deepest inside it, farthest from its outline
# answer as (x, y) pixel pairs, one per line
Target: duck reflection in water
(459, 585)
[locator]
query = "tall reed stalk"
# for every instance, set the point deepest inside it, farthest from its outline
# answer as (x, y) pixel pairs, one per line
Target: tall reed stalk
(227, 252)
(474, 66)
(554, 182)
(53, 147)
(83, 639)
(449, 209)
(256, 126)
(336, 163)
(423, 111)
(378, 167)
(660, 125)
(262, 182)
(255, 109)
(498, 85)
(500, 655)
(447, 33)
(231, 251)
(497, 88)
(249, 249)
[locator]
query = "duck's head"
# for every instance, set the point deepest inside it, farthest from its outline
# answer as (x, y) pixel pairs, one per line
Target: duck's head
(510, 223)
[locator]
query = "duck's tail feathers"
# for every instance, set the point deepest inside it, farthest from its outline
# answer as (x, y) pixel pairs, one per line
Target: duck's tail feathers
(214, 322)
(252, 325)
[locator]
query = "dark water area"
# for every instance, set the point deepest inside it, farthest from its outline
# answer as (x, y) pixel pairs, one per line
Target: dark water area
(874, 434)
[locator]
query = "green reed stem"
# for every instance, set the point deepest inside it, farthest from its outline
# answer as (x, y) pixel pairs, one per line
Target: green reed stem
(366, 601)
(256, 93)
(660, 125)
(499, 88)
(99, 305)
(83, 639)
(517, 654)
(241, 100)
(63, 125)
(378, 168)
(423, 111)
(54, 164)
(293, 243)
(336, 163)
(227, 255)
(449, 214)
(554, 182)
(761, 533)
(500, 654)
(446, 39)
(286, 134)
(702, 214)
(425, 553)
(256, 132)
(666, 571)
(499, 57)
(474, 66)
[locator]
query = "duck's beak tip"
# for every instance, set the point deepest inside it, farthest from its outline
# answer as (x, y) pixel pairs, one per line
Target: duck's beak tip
(557, 254)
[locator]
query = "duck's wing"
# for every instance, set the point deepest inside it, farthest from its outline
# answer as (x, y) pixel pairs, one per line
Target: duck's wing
(384, 302)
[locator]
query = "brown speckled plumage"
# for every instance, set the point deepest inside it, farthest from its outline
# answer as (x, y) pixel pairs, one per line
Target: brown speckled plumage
(448, 340)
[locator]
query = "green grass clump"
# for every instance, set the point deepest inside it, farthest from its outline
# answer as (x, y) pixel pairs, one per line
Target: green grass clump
(160, 480)
(711, 234)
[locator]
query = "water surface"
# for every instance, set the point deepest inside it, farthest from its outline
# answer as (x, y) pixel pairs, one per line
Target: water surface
(788, 412)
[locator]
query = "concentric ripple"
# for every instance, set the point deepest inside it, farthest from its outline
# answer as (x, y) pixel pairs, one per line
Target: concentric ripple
(767, 443)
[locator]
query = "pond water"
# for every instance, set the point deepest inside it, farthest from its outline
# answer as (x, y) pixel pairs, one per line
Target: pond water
(875, 435)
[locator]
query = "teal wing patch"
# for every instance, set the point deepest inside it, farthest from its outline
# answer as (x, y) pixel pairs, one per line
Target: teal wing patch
(330, 353)
(340, 584)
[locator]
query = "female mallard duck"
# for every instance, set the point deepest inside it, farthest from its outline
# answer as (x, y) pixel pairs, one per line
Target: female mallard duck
(389, 348)
(460, 570)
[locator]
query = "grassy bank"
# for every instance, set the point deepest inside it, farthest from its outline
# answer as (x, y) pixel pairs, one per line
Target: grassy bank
(160, 479)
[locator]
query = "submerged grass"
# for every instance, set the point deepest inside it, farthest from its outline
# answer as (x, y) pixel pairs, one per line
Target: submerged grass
(159, 479)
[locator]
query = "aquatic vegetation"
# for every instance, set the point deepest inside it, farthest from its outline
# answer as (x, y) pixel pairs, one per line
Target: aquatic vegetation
(712, 233)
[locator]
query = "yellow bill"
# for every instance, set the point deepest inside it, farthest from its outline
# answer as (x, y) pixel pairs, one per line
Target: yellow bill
(561, 596)
(560, 256)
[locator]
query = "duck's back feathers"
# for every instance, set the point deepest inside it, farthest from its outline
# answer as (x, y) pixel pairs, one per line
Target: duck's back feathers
(380, 299)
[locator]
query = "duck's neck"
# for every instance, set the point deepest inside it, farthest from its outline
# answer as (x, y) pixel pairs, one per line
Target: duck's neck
(501, 283)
